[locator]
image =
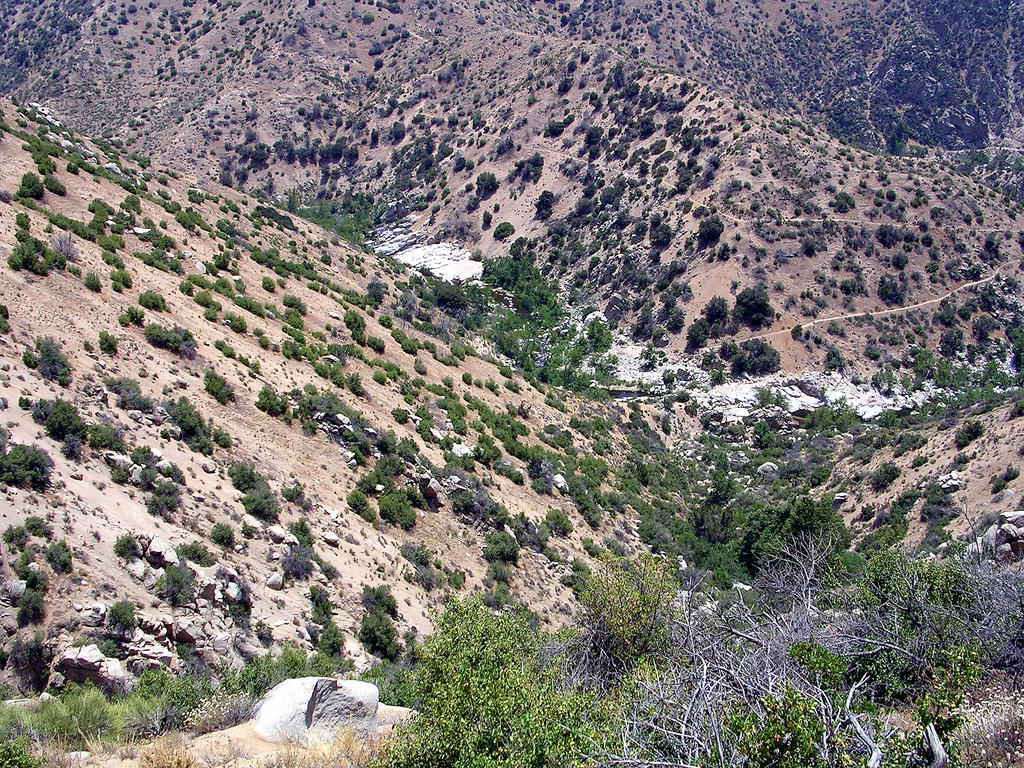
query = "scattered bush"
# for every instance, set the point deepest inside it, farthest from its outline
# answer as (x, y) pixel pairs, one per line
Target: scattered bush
(126, 546)
(50, 362)
(58, 555)
(218, 387)
(222, 535)
(153, 300)
(176, 339)
(26, 466)
(969, 431)
(121, 617)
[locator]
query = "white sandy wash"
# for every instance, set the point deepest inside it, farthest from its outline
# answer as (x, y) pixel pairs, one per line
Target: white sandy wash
(443, 260)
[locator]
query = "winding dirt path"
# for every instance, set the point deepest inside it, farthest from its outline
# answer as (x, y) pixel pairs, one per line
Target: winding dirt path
(892, 311)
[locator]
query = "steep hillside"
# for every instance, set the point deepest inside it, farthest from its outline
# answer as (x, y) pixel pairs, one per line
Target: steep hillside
(640, 191)
(878, 73)
(282, 410)
(240, 447)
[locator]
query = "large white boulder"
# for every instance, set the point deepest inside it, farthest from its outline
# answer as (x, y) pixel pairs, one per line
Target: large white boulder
(307, 710)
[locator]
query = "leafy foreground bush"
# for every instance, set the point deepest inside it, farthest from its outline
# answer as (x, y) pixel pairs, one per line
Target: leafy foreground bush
(485, 700)
(804, 671)
(767, 678)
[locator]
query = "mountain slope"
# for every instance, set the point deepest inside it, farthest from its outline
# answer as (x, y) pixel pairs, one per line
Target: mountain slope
(182, 336)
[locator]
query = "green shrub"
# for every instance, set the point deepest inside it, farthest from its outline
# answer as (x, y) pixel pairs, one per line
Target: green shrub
(485, 701)
(359, 504)
(16, 537)
(51, 363)
(258, 500)
(126, 547)
(194, 430)
(105, 437)
(969, 431)
(31, 187)
(77, 717)
(37, 526)
(222, 535)
(176, 339)
(395, 507)
(58, 555)
(297, 562)
(177, 585)
(26, 466)
(195, 552)
(153, 300)
(558, 522)
(501, 547)
(34, 255)
(378, 634)
(709, 231)
(272, 403)
(107, 343)
(14, 754)
(486, 185)
(31, 609)
(53, 184)
(787, 735)
(132, 315)
(92, 282)
(884, 476)
(165, 500)
(504, 231)
(121, 617)
(218, 387)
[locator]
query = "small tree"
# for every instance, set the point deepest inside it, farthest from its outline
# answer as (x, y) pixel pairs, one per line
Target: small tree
(486, 185)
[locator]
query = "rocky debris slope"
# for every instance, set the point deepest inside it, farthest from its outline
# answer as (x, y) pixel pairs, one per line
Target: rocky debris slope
(1002, 541)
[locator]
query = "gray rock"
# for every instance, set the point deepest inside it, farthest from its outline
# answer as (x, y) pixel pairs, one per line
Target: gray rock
(1014, 518)
(275, 581)
(276, 533)
(768, 469)
(93, 615)
(306, 710)
(88, 664)
(461, 450)
(117, 460)
(16, 589)
(9, 621)
(160, 553)
(252, 522)
(137, 568)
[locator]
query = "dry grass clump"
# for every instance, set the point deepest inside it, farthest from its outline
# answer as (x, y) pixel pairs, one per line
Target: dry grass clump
(220, 711)
(169, 752)
(993, 732)
(346, 750)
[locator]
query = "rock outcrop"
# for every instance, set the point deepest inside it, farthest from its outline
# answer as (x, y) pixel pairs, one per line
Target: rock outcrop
(1003, 540)
(88, 664)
